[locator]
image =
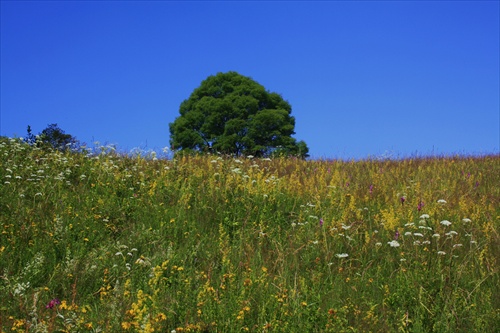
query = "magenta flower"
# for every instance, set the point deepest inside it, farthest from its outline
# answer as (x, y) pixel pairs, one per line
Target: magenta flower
(54, 302)
(320, 222)
(420, 205)
(402, 199)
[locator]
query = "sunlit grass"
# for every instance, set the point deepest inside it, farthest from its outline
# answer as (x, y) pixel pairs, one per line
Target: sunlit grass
(110, 243)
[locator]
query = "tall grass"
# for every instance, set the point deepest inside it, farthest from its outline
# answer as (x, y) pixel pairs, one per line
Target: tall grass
(109, 243)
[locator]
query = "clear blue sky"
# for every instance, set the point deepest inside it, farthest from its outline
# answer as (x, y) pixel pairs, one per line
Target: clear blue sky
(364, 79)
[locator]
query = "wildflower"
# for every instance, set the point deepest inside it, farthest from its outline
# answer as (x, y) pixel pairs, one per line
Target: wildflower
(393, 243)
(451, 233)
(436, 235)
(441, 201)
(342, 255)
(346, 227)
(320, 222)
(54, 302)
(420, 205)
(408, 233)
(417, 234)
(378, 244)
(466, 220)
(424, 227)
(402, 199)
(446, 223)
(20, 288)
(424, 216)
(126, 325)
(396, 235)
(457, 245)
(441, 253)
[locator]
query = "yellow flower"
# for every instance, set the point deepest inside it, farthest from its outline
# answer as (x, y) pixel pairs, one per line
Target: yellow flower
(63, 305)
(17, 324)
(161, 317)
(126, 325)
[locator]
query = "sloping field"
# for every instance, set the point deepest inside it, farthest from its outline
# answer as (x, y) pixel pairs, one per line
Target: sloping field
(107, 243)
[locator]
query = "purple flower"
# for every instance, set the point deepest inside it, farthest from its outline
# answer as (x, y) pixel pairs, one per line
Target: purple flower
(396, 235)
(402, 199)
(420, 205)
(320, 222)
(53, 303)
(371, 189)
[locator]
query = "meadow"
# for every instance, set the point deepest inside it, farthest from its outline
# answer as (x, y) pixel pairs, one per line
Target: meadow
(102, 242)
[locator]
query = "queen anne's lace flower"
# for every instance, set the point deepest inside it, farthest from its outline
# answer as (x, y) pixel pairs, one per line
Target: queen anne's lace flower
(393, 243)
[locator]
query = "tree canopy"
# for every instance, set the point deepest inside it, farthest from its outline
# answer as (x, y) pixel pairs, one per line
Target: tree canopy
(52, 136)
(232, 114)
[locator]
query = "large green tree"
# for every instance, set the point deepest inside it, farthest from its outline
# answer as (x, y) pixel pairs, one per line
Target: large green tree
(232, 114)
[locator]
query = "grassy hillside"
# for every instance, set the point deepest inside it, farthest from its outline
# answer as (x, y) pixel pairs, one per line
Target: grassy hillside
(106, 243)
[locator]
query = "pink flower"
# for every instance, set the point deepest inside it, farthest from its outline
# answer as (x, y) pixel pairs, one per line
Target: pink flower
(53, 303)
(320, 222)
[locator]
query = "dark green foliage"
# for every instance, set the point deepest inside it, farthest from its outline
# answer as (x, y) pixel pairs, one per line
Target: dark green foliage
(52, 136)
(30, 137)
(232, 114)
